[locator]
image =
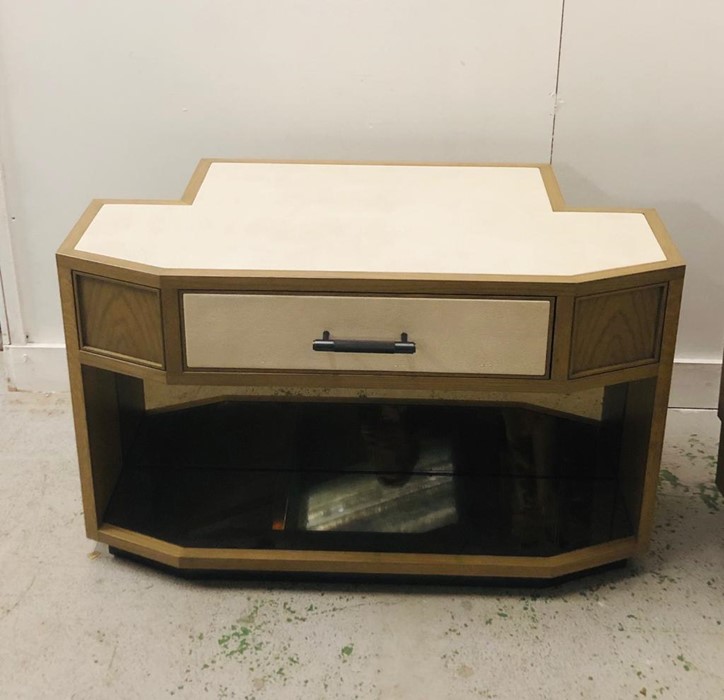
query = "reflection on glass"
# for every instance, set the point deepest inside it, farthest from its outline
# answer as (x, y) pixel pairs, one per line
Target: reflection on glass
(366, 503)
(494, 478)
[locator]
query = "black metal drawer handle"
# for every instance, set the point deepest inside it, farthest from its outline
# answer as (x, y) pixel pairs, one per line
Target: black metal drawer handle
(400, 347)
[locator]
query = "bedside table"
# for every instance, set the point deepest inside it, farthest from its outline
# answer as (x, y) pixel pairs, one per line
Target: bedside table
(422, 370)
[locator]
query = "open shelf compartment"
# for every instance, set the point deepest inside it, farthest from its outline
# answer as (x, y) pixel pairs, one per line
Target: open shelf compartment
(503, 478)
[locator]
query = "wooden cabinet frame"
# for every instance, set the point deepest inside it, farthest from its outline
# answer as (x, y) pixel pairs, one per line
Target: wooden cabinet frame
(640, 304)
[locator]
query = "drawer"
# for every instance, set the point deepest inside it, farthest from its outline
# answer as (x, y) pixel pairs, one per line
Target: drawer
(449, 335)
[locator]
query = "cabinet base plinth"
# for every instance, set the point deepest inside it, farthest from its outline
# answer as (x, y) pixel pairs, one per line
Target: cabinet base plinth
(375, 579)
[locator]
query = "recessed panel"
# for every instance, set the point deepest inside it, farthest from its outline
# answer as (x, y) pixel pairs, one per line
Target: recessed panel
(120, 320)
(617, 330)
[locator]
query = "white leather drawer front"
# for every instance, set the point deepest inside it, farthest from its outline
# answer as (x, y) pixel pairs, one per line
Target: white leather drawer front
(451, 335)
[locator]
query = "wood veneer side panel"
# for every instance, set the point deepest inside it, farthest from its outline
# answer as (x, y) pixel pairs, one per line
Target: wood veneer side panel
(119, 319)
(301, 561)
(659, 410)
(67, 297)
(617, 329)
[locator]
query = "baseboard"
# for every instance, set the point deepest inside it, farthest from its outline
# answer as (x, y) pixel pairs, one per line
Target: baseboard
(36, 367)
(42, 367)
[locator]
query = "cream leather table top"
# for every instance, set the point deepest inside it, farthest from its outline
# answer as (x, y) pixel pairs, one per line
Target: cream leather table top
(372, 218)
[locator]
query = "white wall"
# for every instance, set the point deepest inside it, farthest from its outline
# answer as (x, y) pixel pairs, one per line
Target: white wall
(641, 123)
(121, 98)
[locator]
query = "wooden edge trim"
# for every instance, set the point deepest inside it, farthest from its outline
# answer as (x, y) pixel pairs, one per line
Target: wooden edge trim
(121, 357)
(72, 258)
(622, 290)
(562, 337)
(365, 562)
(614, 368)
(67, 247)
(72, 342)
(373, 285)
(110, 280)
(331, 380)
(114, 362)
(172, 322)
(390, 380)
(197, 179)
(403, 163)
(302, 398)
(110, 268)
(553, 189)
(663, 237)
(421, 277)
(548, 371)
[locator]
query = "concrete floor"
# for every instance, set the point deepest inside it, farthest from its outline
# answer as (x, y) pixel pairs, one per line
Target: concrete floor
(77, 623)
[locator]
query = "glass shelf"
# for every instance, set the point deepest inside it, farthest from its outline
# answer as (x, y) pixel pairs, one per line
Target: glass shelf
(499, 479)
